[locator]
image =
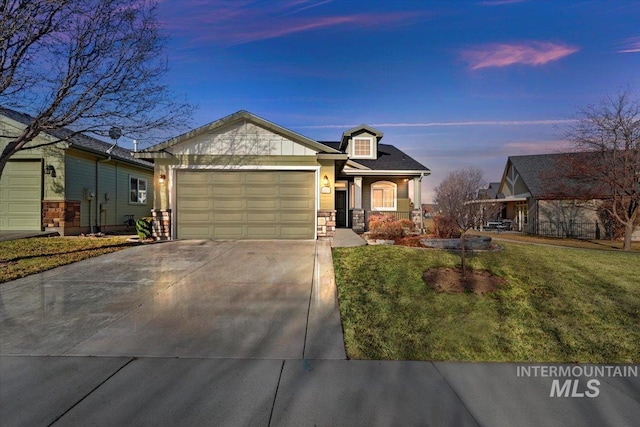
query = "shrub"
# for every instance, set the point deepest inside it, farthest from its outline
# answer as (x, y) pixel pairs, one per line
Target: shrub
(387, 227)
(445, 227)
(144, 228)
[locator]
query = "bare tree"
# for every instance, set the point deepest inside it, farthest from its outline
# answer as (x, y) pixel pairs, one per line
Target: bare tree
(85, 65)
(455, 197)
(609, 133)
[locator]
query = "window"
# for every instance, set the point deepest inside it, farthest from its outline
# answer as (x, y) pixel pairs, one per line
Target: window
(138, 190)
(362, 148)
(383, 196)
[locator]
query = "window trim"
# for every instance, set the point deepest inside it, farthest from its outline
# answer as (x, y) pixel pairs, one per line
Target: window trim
(394, 187)
(146, 190)
(371, 154)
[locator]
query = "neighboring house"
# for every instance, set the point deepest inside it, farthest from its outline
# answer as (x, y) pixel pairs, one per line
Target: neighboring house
(243, 177)
(74, 186)
(539, 200)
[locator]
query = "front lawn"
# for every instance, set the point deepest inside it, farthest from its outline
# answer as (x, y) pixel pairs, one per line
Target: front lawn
(558, 305)
(22, 257)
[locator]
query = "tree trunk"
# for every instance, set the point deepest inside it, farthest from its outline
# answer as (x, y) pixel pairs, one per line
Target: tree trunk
(462, 255)
(628, 231)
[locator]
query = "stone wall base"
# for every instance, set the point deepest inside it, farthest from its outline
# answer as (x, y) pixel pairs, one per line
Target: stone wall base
(161, 224)
(326, 223)
(416, 217)
(63, 216)
(358, 225)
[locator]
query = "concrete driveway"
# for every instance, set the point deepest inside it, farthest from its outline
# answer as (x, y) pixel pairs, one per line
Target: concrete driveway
(236, 334)
(249, 299)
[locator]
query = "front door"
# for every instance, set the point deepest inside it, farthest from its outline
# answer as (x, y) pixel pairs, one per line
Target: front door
(341, 209)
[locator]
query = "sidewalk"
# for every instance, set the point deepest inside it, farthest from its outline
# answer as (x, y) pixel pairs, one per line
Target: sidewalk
(121, 391)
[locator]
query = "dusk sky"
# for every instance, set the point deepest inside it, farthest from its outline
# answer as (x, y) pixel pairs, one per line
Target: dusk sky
(451, 83)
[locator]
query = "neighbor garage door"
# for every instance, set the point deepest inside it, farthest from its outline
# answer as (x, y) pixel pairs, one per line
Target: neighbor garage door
(245, 205)
(20, 196)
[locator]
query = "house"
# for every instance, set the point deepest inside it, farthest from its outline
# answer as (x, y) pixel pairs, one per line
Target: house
(77, 185)
(538, 199)
(243, 177)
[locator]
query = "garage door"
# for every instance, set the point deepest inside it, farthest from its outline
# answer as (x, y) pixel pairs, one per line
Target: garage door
(20, 196)
(245, 205)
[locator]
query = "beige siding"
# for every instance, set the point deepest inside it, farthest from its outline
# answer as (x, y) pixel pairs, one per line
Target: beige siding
(241, 139)
(402, 193)
(328, 169)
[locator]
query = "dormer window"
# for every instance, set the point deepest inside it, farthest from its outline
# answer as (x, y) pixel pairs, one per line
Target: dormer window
(362, 148)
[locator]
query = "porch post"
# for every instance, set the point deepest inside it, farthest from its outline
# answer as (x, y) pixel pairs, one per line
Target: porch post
(416, 214)
(358, 224)
(357, 181)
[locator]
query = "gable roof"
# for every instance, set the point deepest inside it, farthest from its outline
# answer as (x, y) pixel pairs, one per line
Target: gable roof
(389, 159)
(357, 131)
(80, 141)
(233, 118)
(542, 173)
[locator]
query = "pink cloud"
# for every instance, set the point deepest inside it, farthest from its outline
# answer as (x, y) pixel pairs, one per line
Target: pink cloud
(232, 23)
(631, 46)
(505, 54)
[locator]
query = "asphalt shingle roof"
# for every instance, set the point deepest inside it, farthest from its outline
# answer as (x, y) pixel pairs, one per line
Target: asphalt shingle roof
(543, 173)
(80, 141)
(389, 158)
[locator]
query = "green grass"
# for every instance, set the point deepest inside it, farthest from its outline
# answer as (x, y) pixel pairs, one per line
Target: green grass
(558, 305)
(22, 257)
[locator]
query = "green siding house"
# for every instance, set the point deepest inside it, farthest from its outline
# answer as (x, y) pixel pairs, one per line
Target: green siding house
(74, 186)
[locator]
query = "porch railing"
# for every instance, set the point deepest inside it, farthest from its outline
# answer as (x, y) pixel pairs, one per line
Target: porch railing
(395, 214)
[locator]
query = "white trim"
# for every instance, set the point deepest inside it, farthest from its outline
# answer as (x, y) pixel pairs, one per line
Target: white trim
(385, 172)
(372, 151)
(173, 196)
(395, 196)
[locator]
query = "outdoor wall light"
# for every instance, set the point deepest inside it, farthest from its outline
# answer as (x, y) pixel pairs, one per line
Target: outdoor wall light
(162, 179)
(325, 181)
(50, 170)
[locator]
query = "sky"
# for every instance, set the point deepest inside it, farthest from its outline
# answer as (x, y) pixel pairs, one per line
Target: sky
(451, 83)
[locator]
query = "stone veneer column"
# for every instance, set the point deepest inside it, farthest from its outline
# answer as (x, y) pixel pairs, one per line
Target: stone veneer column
(161, 224)
(416, 217)
(61, 214)
(358, 225)
(326, 223)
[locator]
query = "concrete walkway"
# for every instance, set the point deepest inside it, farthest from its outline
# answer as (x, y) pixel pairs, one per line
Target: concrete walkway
(15, 235)
(233, 334)
(346, 237)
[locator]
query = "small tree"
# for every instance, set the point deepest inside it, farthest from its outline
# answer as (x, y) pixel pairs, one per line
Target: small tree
(85, 65)
(455, 197)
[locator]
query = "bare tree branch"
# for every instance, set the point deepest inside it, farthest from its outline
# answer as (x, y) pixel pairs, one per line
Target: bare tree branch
(87, 65)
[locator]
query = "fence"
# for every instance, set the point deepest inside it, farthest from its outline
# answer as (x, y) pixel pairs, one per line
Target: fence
(570, 229)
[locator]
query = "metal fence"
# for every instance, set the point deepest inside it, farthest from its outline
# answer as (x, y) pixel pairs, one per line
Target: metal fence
(570, 229)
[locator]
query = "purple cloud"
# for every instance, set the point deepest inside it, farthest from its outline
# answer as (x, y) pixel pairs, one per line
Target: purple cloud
(631, 45)
(505, 54)
(229, 23)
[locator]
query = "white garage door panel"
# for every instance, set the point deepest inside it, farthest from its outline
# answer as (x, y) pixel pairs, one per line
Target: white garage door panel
(245, 204)
(21, 196)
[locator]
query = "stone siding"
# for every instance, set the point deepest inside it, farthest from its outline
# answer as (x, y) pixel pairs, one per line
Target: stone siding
(358, 224)
(161, 224)
(326, 223)
(61, 214)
